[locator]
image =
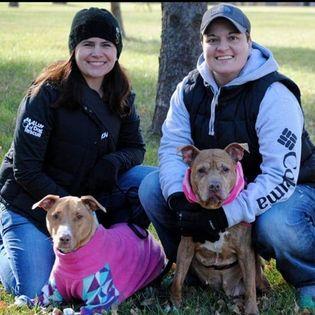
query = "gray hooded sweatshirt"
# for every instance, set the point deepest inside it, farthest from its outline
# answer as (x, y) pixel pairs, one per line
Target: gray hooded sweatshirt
(279, 112)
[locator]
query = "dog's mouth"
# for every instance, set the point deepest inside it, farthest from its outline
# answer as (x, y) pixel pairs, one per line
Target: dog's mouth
(64, 244)
(214, 200)
(65, 248)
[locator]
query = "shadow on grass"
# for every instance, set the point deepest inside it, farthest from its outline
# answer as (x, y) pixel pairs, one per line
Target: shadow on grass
(138, 45)
(15, 79)
(142, 41)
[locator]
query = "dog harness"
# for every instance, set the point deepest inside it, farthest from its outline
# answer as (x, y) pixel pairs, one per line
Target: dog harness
(239, 185)
(112, 266)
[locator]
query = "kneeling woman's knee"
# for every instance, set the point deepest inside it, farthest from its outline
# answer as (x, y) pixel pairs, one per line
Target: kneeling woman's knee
(149, 186)
(262, 237)
(150, 195)
(276, 234)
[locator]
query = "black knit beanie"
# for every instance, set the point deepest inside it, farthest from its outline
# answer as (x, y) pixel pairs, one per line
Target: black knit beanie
(95, 22)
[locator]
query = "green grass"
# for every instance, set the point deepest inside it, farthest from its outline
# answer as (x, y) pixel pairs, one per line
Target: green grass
(35, 34)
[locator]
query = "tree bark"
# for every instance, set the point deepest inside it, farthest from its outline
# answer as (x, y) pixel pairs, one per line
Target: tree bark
(13, 4)
(115, 9)
(180, 49)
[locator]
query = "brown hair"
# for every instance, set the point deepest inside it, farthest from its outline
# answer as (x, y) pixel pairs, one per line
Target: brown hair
(67, 76)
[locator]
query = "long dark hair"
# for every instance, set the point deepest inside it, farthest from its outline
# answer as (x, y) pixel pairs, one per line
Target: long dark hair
(67, 77)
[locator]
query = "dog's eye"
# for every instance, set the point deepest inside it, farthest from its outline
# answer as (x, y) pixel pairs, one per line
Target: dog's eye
(55, 216)
(79, 216)
(201, 171)
(225, 169)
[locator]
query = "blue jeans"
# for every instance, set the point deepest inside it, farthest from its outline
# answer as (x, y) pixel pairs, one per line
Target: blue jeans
(163, 220)
(26, 253)
(285, 232)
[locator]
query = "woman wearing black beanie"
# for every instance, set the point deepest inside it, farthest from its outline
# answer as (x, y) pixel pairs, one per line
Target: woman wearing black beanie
(77, 133)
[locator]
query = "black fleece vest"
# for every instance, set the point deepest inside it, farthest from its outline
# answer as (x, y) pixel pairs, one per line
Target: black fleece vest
(235, 119)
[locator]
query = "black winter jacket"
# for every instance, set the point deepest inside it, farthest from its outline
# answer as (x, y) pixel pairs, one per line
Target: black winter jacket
(55, 149)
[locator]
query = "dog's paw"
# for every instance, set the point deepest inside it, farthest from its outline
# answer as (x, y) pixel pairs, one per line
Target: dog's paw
(114, 309)
(67, 311)
(23, 300)
(251, 308)
(176, 301)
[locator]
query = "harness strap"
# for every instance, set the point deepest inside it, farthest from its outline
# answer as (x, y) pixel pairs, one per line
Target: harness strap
(140, 232)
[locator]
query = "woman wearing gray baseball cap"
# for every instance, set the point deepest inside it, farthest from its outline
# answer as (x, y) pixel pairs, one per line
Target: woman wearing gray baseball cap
(236, 94)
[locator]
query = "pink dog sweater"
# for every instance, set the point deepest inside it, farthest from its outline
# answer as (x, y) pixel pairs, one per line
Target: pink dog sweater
(112, 266)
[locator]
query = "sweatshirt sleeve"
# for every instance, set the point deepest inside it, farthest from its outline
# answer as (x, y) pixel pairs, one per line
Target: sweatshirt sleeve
(130, 147)
(279, 128)
(175, 133)
(31, 137)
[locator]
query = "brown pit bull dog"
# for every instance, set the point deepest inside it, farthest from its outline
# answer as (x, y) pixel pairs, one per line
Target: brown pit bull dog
(229, 263)
(69, 220)
(100, 267)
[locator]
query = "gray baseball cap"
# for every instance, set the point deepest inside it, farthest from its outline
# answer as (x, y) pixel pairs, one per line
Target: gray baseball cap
(228, 11)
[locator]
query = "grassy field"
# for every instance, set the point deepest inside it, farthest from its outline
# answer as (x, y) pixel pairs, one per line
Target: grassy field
(36, 34)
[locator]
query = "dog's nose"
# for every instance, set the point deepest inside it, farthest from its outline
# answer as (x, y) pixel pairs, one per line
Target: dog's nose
(65, 239)
(215, 186)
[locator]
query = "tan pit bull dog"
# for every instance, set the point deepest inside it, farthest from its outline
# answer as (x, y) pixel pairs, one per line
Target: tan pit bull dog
(100, 267)
(229, 263)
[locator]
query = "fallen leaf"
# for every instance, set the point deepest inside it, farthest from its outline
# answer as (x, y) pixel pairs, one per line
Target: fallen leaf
(135, 311)
(3, 305)
(236, 309)
(148, 302)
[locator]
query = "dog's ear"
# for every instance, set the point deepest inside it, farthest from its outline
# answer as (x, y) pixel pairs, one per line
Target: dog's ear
(236, 150)
(92, 203)
(46, 203)
(189, 153)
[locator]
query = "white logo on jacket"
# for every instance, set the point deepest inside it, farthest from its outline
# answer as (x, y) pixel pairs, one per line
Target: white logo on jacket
(32, 127)
(104, 135)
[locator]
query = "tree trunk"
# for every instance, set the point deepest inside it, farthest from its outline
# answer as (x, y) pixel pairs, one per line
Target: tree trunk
(13, 4)
(180, 49)
(115, 9)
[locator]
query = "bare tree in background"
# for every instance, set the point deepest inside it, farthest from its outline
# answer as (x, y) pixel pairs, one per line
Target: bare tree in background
(115, 9)
(180, 49)
(13, 4)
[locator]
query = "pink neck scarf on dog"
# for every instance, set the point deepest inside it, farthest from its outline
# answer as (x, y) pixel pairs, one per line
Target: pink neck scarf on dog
(239, 185)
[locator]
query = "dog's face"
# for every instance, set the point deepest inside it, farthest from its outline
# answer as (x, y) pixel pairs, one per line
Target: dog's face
(213, 172)
(70, 220)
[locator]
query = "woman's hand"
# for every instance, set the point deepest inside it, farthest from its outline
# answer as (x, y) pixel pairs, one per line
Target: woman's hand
(199, 223)
(103, 176)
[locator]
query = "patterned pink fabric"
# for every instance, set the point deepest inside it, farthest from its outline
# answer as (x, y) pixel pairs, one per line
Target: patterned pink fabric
(131, 261)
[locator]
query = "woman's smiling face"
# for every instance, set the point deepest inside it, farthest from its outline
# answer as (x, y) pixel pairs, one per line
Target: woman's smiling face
(95, 57)
(225, 49)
